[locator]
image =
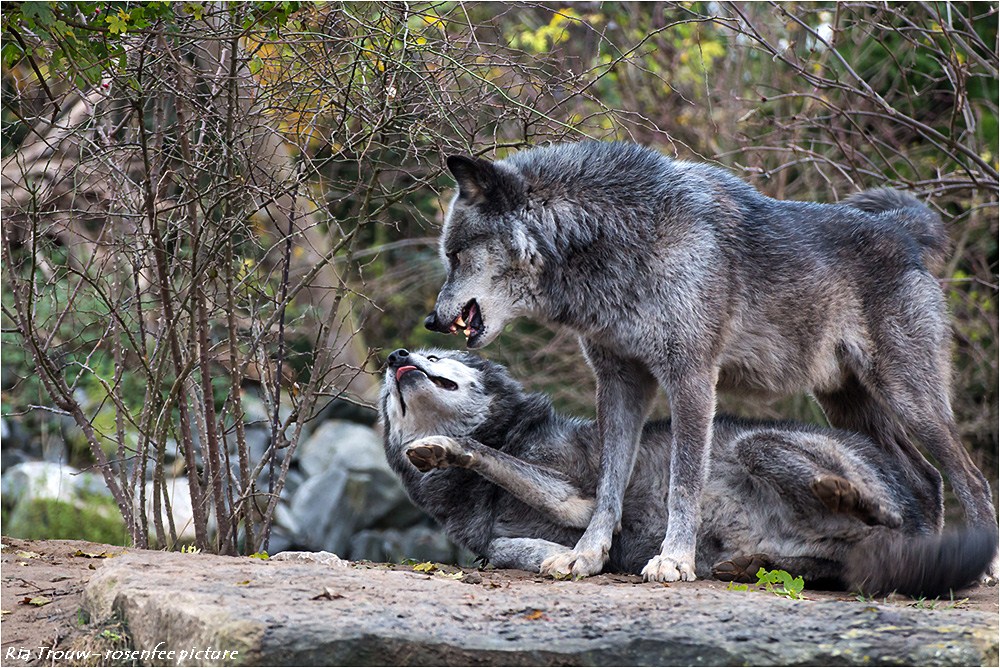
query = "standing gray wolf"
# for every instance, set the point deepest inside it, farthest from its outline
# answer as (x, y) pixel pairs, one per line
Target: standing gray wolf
(682, 275)
(512, 480)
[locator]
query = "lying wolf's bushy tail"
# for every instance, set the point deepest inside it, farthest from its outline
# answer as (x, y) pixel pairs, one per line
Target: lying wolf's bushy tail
(927, 566)
(923, 224)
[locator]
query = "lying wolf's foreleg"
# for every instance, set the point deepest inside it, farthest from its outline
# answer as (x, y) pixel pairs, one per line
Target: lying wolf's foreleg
(541, 488)
(625, 390)
(526, 554)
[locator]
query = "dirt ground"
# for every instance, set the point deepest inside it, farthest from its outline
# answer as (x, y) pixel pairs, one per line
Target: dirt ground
(42, 583)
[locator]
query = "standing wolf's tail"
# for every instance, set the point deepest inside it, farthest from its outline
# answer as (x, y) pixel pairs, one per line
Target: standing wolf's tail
(923, 224)
(927, 566)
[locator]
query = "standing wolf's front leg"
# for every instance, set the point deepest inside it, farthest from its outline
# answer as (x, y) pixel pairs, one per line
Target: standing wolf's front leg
(540, 487)
(625, 389)
(692, 409)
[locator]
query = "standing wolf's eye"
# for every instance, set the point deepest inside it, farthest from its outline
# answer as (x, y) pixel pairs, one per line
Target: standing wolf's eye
(432, 358)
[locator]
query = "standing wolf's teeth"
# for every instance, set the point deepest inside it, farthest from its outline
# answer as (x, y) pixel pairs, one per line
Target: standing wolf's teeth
(459, 321)
(467, 332)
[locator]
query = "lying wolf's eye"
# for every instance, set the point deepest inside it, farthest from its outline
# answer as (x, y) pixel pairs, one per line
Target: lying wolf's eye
(432, 358)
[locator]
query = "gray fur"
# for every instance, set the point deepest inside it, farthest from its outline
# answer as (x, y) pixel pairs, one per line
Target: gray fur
(681, 276)
(517, 487)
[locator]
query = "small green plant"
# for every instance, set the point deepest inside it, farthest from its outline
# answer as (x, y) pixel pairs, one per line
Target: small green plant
(260, 555)
(781, 583)
(113, 636)
(732, 586)
(923, 603)
(189, 549)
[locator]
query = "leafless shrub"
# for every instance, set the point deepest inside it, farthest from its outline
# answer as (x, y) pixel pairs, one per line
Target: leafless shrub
(249, 203)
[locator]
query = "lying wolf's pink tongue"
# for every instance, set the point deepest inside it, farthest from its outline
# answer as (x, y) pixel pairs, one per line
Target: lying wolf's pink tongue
(403, 369)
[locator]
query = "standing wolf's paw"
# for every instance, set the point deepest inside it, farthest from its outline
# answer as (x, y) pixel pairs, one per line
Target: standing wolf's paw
(437, 452)
(989, 578)
(663, 568)
(574, 563)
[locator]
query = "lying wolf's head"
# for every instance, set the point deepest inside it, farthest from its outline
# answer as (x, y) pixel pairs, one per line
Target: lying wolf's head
(489, 252)
(448, 393)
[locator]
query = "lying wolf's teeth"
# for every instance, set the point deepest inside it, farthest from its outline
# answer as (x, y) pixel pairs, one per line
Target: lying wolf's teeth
(459, 321)
(467, 332)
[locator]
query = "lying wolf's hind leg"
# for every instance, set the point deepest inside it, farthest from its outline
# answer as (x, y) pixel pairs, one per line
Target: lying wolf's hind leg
(742, 568)
(840, 495)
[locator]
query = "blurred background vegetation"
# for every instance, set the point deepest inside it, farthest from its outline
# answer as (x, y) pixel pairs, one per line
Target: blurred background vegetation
(201, 197)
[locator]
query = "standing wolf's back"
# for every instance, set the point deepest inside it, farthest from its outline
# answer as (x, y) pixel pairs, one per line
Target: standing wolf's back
(631, 178)
(923, 225)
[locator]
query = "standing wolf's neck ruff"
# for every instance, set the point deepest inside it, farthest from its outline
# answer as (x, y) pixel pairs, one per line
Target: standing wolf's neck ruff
(682, 276)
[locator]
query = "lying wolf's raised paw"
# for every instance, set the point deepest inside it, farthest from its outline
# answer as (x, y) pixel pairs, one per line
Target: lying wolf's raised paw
(841, 496)
(663, 568)
(576, 563)
(437, 452)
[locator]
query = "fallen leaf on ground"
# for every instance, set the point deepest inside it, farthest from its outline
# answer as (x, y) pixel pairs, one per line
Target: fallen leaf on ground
(535, 614)
(26, 554)
(5, 612)
(426, 567)
(36, 601)
(327, 595)
(93, 555)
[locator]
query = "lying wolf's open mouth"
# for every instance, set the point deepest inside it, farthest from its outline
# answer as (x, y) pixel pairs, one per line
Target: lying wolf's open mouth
(470, 321)
(440, 381)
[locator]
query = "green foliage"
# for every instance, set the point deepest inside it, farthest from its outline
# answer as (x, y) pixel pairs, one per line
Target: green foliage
(780, 583)
(777, 582)
(85, 40)
(94, 518)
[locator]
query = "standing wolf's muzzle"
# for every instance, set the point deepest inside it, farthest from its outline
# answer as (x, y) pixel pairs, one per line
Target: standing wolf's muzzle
(433, 323)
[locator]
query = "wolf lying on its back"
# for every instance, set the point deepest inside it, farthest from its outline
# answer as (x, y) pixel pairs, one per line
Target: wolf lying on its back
(514, 481)
(682, 276)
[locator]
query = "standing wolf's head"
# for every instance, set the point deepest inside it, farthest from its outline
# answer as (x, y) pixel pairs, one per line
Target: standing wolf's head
(489, 252)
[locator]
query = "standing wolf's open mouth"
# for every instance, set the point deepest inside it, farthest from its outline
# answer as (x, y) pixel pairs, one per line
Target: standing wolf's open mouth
(470, 321)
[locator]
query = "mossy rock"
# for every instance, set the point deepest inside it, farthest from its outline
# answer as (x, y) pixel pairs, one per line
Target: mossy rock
(95, 519)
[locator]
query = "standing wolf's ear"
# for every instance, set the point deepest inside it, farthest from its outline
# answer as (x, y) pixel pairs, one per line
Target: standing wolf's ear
(473, 175)
(480, 180)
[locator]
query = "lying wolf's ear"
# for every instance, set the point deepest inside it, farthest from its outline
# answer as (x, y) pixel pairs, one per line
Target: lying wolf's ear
(480, 180)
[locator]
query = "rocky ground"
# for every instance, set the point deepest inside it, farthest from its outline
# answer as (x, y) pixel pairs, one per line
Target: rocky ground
(80, 597)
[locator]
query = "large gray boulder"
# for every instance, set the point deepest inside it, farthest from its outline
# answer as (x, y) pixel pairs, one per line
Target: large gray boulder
(348, 487)
(301, 613)
(49, 480)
